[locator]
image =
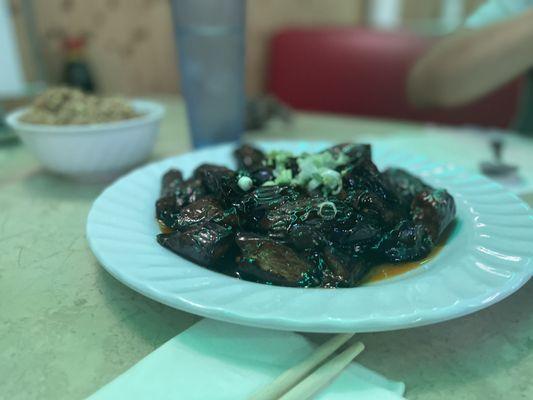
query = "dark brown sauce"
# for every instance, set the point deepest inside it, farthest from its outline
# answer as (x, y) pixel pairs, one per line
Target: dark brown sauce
(390, 270)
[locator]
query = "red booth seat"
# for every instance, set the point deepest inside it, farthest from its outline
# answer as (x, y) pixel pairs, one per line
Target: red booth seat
(361, 71)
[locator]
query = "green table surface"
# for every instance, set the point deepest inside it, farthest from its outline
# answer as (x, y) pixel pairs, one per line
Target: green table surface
(67, 327)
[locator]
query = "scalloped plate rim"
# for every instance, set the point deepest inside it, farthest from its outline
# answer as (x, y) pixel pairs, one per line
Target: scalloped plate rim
(280, 321)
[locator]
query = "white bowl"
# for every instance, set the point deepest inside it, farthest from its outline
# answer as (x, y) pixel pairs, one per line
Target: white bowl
(92, 151)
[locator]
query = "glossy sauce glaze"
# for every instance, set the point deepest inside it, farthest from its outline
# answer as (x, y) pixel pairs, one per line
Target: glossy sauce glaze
(390, 270)
(387, 270)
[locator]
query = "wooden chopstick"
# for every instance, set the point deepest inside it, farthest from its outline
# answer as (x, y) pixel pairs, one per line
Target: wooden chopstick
(292, 376)
(324, 374)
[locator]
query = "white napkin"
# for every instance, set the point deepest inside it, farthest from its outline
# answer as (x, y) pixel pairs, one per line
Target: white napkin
(216, 360)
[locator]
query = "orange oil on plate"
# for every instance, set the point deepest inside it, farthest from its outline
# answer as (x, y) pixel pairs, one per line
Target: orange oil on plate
(390, 270)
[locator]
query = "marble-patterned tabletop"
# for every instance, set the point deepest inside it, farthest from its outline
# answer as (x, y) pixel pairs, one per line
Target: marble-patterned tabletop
(67, 327)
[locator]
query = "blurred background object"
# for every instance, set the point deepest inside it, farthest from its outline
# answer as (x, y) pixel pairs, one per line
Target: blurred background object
(76, 72)
(15, 87)
(12, 81)
(497, 167)
(363, 71)
(87, 138)
(210, 40)
(131, 50)
(11, 77)
(132, 41)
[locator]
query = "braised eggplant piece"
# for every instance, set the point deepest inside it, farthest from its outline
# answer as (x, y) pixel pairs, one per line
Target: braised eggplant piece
(355, 152)
(220, 181)
(255, 205)
(170, 183)
(338, 267)
(405, 185)
(210, 173)
(314, 220)
(249, 158)
(435, 210)
(360, 269)
(167, 211)
(360, 228)
(202, 210)
(334, 268)
(408, 241)
(266, 260)
(189, 191)
(255, 163)
(175, 194)
(277, 222)
(369, 193)
(307, 234)
(345, 270)
(204, 244)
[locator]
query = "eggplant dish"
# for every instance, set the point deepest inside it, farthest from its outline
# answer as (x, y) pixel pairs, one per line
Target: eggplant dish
(309, 220)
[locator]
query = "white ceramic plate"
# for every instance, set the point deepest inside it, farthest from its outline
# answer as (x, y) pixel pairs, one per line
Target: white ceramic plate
(487, 257)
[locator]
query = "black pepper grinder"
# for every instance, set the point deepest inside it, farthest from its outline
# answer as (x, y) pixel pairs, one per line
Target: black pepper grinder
(76, 72)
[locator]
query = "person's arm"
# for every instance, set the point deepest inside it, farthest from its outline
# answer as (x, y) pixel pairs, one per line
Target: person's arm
(469, 64)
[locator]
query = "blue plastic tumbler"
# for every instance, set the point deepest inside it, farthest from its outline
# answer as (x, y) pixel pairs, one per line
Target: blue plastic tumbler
(210, 38)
